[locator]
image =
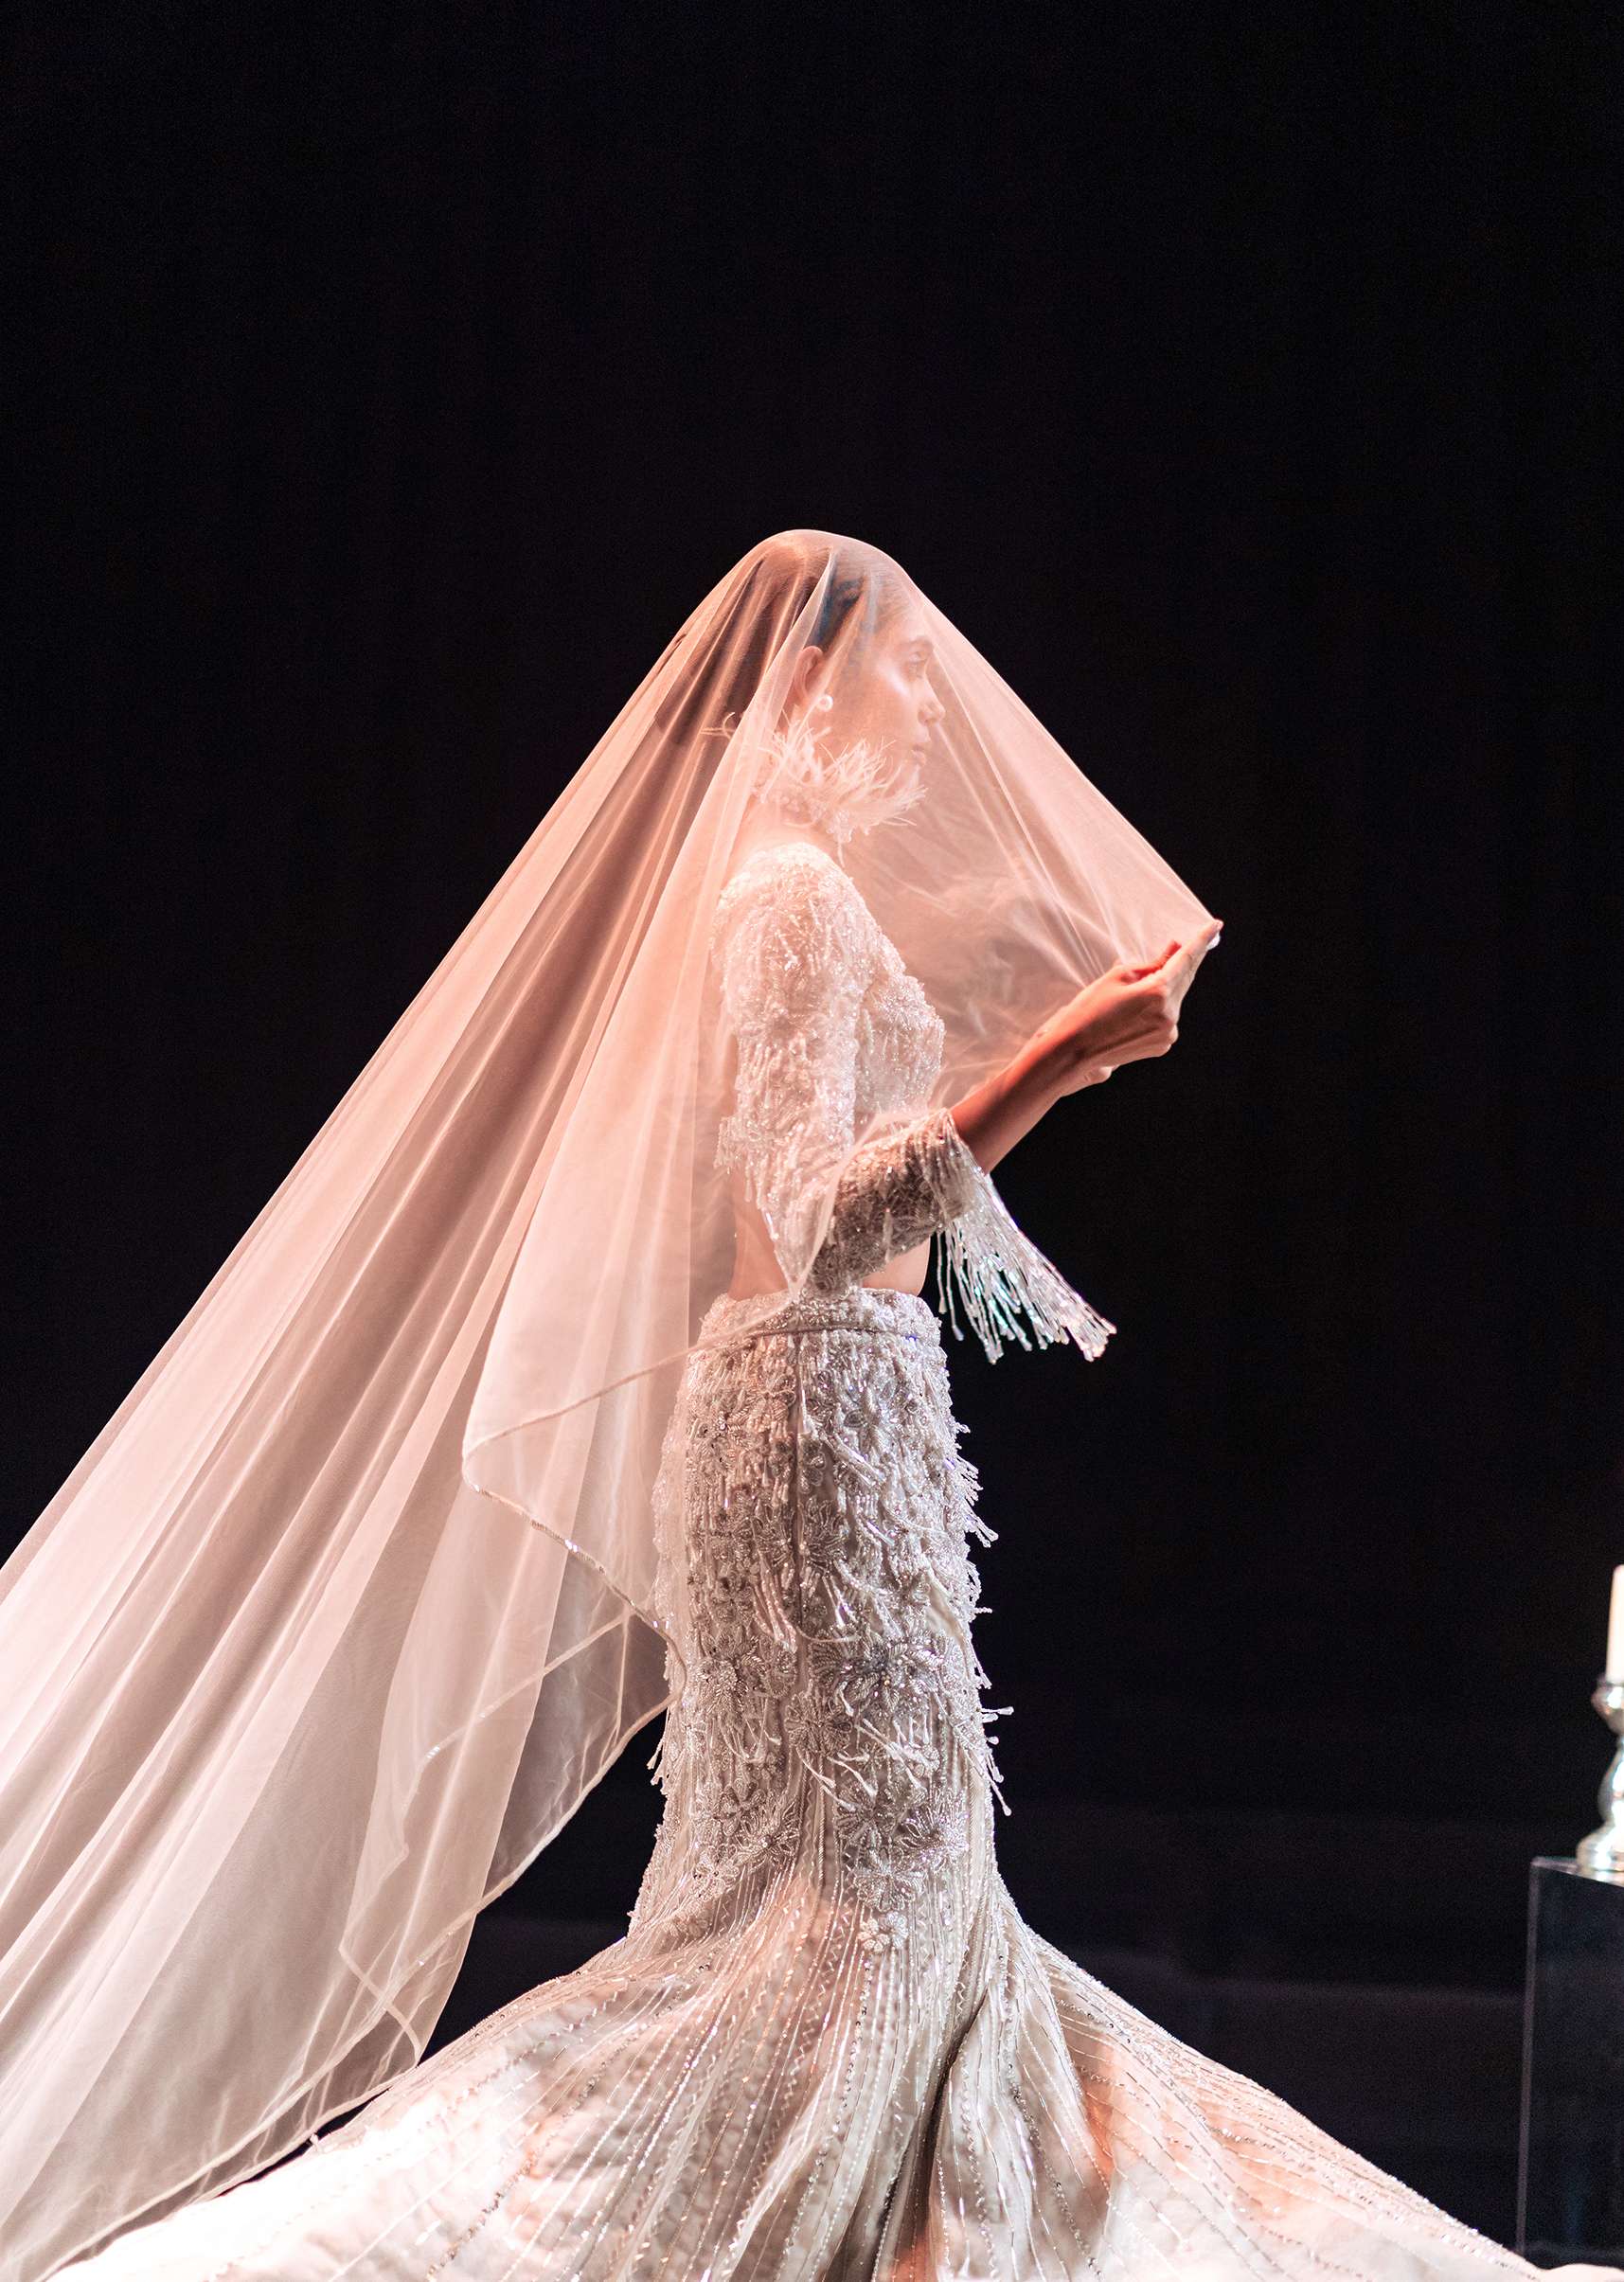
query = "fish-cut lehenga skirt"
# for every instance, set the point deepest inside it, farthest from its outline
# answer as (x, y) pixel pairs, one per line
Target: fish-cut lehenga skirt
(827, 2046)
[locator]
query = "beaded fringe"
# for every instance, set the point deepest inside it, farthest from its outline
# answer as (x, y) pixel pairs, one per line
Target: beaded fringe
(990, 1268)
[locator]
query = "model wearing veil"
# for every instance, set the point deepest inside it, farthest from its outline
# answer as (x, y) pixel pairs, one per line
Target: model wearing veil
(582, 1370)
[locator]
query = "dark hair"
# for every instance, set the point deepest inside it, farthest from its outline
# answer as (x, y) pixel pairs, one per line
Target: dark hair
(865, 588)
(866, 578)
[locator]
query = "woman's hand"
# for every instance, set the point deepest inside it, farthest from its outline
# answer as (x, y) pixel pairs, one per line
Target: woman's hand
(1129, 1014)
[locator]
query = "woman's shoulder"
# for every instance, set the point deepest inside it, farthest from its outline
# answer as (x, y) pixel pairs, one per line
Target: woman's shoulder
(793, 882)
(796, 862)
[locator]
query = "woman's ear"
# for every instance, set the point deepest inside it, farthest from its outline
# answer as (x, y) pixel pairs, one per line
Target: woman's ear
(802, 676)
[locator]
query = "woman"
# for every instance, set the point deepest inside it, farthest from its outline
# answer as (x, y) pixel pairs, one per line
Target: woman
(712, 1117)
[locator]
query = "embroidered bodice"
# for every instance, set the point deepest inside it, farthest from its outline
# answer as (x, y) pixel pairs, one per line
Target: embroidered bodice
(832, 1034)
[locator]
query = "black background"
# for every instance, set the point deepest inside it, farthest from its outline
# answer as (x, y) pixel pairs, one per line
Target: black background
(1243, 383)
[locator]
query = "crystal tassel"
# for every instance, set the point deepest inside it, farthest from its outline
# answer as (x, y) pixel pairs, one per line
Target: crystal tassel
(988, 1265)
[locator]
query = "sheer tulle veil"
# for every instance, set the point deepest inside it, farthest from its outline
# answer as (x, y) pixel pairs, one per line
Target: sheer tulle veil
(351, 1601)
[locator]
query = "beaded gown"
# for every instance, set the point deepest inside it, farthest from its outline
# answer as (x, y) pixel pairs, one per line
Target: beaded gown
(827, 2046)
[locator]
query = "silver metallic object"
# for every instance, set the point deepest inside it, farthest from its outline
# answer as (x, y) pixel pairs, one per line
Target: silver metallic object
(1601, 1855)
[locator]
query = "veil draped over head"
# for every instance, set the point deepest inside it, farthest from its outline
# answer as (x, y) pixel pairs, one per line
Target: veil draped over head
(353, 1599)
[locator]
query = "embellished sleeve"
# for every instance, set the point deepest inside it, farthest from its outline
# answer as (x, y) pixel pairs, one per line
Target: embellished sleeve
(789, 943)
(988, 1265)
(794, 961)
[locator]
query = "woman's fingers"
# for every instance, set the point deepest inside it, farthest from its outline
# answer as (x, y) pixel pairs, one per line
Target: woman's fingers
(1193, 952)
(1186, 952)
(1202, 941)
(1180, 973)
(1138, 975)
(1139, 1022)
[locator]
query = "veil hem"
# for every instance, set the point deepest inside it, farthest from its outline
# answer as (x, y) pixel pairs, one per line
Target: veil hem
(93, 2243)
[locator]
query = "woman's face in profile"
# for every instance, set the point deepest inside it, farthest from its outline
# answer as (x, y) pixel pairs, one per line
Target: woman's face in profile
(887, 694)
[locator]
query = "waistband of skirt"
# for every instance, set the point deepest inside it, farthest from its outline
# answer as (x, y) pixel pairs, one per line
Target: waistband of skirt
(860, 1307)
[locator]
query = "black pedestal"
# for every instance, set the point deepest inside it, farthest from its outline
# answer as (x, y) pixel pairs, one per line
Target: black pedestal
(1570, 2185)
